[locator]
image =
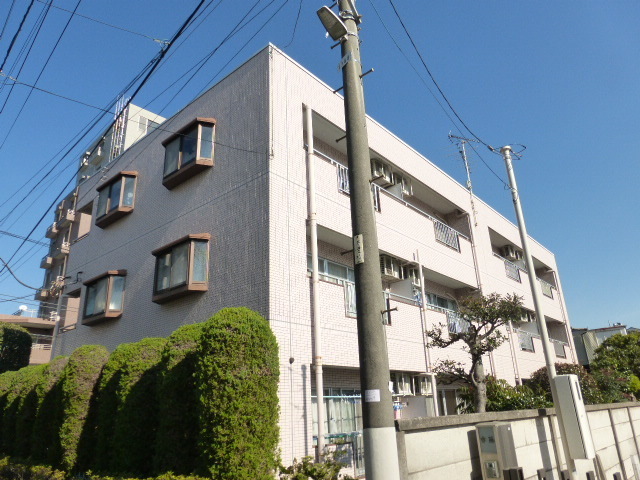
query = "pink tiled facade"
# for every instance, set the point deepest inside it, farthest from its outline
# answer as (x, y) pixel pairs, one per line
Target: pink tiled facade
(254, 204)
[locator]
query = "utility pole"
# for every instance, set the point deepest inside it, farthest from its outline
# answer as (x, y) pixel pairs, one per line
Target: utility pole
(549, 356)
(381, 454)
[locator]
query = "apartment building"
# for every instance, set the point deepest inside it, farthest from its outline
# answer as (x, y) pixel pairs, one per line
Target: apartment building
(216, 216)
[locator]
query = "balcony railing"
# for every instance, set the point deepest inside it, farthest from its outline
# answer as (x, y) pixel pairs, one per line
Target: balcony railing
(558, 347)
(456, 323)
(375, 192)
(343, 178)
(525, 340)
(447, 235)
(512, 270)
(52, 231)
(46, 262)
(547, 288)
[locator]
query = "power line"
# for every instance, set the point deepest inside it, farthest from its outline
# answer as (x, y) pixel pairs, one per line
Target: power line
(295, 26)
(6, 20)
(157, 40)
(15, 37)
(14, 276)
(15, 235)
(434, 80)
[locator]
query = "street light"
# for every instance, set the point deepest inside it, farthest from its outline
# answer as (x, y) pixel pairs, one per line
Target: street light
(333, 24)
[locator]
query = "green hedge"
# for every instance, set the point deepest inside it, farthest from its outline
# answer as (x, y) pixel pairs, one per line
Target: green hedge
(177, 444)
(45, 441)
(79, 380)
(15, 347)
(210, 390)
(137, 417)
(237, 375)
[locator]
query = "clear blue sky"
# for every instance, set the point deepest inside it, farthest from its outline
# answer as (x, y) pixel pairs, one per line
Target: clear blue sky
(560, 77)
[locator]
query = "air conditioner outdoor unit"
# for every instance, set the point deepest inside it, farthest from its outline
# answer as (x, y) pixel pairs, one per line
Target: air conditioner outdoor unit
(389, 267)
(511, 253)
(399, 179)
(381, 172)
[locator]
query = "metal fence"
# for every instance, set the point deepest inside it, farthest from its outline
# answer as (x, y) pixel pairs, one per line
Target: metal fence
(547, 288)
(343, 178)
(512, 270)
(558, 347)
(447, 235)
(525, 339)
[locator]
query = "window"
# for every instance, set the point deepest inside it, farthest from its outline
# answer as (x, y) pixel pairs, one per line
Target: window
(104, 297)
(438, 302)
(188, 152)
(116, 198)
(182, 267)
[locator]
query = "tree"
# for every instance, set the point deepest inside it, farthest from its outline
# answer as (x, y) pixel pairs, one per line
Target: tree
(477, 326)
(15, 347)
(619, 353)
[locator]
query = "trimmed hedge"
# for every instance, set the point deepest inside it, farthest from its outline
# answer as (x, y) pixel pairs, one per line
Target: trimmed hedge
(178, 428)
(45, 442)
(135, 428)
(79, 381)
(211, 390)
(15, 347)
(237, 373)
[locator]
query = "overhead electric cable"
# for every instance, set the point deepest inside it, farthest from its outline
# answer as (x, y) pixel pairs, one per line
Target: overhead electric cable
(434, 80)
(15, 235)
(15, 36)
(24, 103)
(14, 276)
(6, 20)
(295, 26)
(155, 62)
(157, 40)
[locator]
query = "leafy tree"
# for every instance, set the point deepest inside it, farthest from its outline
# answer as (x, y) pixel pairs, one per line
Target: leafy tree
(619, 353)
(15, 347)
(480, 318)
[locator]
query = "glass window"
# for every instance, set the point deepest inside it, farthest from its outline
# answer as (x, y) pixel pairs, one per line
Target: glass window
(163, 271)
(129, 186)
(189, 145)
(206, 142)
(114, 195)
(103, 199)
(200, 262)
(179, 264)
(117, 292)
(171, 154)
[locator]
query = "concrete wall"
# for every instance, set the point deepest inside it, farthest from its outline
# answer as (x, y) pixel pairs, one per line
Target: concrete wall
(446, 447)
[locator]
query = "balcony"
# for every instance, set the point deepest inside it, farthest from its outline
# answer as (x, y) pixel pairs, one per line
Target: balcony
(62, 250)
(46, 261)
(559, 348)
(525, 340)
(52, 231)
(42, 295)
(456, 323)
(67, 216)
(547, 288)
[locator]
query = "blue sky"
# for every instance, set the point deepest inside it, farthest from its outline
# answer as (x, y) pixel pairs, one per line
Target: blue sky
(560, 77)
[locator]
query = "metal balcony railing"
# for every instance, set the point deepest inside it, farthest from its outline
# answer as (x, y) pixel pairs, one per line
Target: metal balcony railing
(456, 323)
(343, 178)
(447, 235)
(512, 270)
(547, 288)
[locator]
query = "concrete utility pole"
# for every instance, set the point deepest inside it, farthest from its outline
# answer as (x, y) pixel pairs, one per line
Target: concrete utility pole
(549, 355)
(381, 454)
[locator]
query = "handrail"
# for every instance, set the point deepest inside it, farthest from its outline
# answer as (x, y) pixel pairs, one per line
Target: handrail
(407, 204)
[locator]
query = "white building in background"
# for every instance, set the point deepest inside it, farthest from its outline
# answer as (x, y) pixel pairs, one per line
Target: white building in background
(210, 211)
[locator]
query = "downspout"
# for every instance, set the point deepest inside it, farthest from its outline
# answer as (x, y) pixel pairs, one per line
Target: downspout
(514, 355)
(315, 281)
(56, 327)
(567, 328)
(423, 312)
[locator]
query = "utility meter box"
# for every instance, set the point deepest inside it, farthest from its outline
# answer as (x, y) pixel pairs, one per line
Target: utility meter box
(574, 417)
(496, 448)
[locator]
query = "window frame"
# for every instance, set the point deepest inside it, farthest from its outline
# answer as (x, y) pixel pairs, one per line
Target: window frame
(111, 215)
(108, 312)
(185, 171)
(190, 285)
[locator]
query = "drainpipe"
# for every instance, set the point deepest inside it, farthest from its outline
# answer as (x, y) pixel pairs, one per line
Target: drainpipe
(315, 281)
(567, 328)
(423, 311)
(56, 327)
(514, 355)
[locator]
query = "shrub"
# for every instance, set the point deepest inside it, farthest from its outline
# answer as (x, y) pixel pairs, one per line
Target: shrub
(137, 416)
(20, 384)
(237, 377)
(45, 442)
(503, 397)
(15, 347)
(177, 437)
(307, 468)
(591, 394)
(79, 381)
(27, 409)
(6, 380)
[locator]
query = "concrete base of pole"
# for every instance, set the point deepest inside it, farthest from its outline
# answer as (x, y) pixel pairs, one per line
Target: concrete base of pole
(381, 456)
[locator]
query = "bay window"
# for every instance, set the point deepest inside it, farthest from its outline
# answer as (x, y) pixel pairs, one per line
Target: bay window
(104, 296)
(182, 267)
(116, 198)
(188, 152)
